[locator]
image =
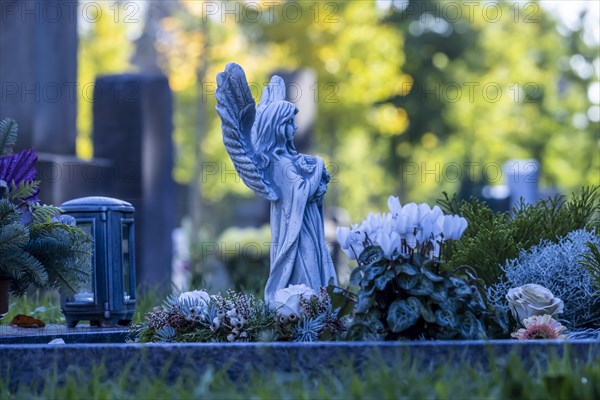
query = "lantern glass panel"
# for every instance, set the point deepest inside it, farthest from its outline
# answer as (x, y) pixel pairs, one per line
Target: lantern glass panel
(126, 259)
(86, 291)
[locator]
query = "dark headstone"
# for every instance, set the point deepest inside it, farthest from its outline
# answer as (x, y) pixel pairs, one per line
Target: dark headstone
(132, 127)
(38, 72)
(65, 177)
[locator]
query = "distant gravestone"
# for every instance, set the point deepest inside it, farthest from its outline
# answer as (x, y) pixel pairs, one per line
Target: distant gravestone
(522, 179)
(133, 127)
(38, 72)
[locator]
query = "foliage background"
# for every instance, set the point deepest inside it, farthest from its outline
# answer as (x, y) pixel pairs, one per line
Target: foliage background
(413, 97)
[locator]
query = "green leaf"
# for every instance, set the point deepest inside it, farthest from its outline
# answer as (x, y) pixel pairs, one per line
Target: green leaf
(477, 299)
(382, 280)
(451, 304)
(445, 318)
(356, 276)
(364, 303)
(401, 316)
(371, 272)
(424, 287)
(407, 282)
(462, 289)
(23, 190)
(8, 136)
(42, 212)
(427, 313)
(371, 255)
(407, 269)
(439, 294)
(433, 277)
(470, 327)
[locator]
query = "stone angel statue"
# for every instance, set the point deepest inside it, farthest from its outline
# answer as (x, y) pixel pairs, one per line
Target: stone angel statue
(260, 142)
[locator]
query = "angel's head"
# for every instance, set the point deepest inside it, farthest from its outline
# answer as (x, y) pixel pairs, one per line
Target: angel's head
(275, 128)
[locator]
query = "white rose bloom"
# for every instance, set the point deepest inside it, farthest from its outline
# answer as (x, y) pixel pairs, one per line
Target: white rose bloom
(287, 300)
(199, 297)
(533, 299)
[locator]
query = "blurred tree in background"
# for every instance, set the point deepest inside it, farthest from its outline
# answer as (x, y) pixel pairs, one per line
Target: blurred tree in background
(413, 97)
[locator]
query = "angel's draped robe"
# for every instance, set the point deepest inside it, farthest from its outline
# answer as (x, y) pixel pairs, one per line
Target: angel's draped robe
(299, 254)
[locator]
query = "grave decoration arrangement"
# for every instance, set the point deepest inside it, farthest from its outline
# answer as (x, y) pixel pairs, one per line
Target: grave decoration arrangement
(403, 288)
(38, 246)
(454, 271)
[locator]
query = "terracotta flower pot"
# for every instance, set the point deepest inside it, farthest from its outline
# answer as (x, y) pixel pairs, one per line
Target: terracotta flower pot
(4, 286)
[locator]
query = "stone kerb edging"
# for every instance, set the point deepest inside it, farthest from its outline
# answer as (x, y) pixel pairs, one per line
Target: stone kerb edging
(30, 363)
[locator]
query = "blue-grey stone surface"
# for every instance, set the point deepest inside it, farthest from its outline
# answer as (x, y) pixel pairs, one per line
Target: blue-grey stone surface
(80, 334)
(30, 364)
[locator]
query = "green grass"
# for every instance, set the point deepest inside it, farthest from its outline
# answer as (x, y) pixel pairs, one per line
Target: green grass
(41, 305)
(508, 378)
(45, 305)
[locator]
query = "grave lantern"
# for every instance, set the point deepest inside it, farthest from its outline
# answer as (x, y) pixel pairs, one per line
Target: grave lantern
(109, 298)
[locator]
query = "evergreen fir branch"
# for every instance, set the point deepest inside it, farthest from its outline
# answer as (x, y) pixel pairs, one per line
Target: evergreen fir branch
(42, 213)
(65, 253)
(9, 213)
(24, 190)
(8, 136)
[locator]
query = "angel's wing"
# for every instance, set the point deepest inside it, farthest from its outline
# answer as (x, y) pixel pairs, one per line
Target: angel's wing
(272, 93)
(237, 110)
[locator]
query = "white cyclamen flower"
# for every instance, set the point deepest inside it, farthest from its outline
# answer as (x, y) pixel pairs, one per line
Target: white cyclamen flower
(394, 206)
(287, 300)
(410, 211)
(389, 242)
(533, 299)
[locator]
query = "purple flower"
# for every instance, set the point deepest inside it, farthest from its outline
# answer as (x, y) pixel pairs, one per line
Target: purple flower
(19, 167)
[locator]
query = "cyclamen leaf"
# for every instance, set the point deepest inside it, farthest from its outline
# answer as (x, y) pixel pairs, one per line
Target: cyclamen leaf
(356, 276)
(382, 280)
(407, 282)
(427, 313)
(439, 294)
(371, 255)
(372, 271)
(407, 269)
(445, 318)
(424, 287)
(364, 303)
(470, 327)
(401, 316)
(433, 277)
(462, 289)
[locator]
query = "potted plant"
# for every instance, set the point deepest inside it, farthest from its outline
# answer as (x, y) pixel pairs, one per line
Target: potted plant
(38, 246)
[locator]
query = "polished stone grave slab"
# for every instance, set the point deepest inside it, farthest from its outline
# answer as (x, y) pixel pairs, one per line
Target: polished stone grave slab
(30, 364)
(80, 334)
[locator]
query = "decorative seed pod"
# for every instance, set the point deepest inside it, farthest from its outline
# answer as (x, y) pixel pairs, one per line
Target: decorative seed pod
(292, 317)
(220, 314)
(243, 335)
(239, 325)
(231, 337)
(283, 319)
(233, 321)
